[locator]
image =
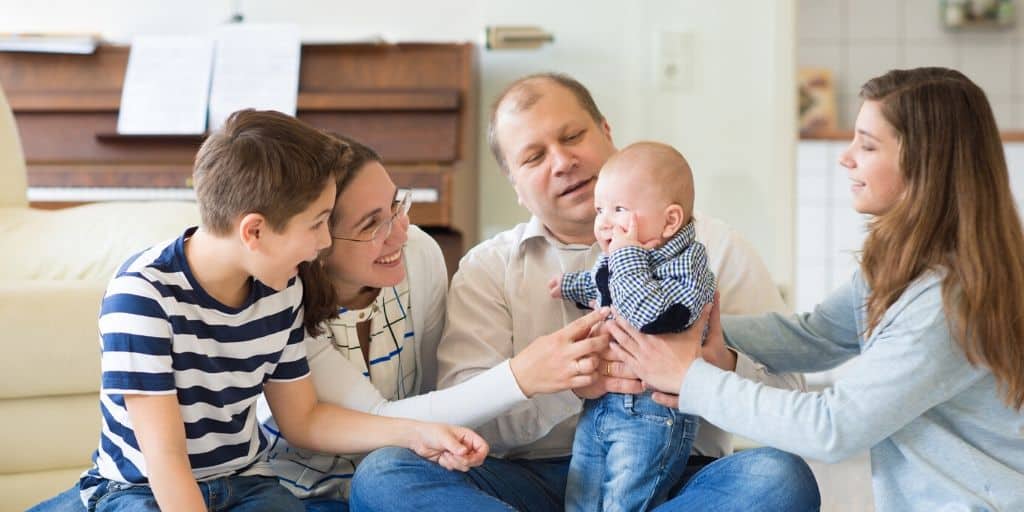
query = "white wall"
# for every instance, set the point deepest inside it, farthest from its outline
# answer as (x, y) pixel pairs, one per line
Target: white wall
(735, 123)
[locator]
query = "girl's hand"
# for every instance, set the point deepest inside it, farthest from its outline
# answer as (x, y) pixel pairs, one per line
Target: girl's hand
(714, 350)
(660, 361)
(564, 359)
(454, 448)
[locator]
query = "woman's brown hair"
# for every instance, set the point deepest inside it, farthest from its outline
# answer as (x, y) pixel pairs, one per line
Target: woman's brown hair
(957, 214)
(319, 299)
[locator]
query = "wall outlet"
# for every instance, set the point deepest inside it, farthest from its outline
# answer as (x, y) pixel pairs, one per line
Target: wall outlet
(674, 61)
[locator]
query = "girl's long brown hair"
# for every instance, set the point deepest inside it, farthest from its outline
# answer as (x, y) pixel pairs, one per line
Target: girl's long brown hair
(319, 299)
(957, 214)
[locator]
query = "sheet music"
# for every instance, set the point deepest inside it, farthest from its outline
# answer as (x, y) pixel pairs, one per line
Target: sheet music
(166, 86)
(256, 66)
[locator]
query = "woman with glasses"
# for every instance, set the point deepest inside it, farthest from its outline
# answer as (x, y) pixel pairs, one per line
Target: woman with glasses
(375, 305)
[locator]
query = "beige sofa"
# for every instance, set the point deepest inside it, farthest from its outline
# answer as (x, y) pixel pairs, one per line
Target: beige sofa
(52, 275)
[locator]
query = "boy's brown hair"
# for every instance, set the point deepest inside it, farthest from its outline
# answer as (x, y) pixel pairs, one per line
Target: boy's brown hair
(262, 162)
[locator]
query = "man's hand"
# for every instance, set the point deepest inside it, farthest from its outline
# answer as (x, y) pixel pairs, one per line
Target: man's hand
(555, 287)
(564, 359)
(454, 448)
(660, 361)
(613, 376)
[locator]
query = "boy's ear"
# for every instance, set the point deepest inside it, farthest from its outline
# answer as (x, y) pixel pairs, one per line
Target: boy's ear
(250, 228)
(674, 218)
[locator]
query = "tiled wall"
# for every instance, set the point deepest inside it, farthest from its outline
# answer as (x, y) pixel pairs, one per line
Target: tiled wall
(860, 39)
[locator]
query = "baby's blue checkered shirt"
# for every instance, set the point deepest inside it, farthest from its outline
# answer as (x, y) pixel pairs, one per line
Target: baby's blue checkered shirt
(657, 290)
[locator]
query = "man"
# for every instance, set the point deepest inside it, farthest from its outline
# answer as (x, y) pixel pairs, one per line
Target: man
(549, 137)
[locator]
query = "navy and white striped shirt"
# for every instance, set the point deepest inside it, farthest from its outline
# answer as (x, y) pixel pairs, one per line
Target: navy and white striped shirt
(161, 333)
(658, 291)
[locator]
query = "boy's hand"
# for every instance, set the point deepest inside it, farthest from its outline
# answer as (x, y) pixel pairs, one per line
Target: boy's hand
(454, 448)
(555, 287)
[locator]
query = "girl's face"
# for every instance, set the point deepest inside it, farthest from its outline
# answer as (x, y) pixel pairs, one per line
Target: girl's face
(872, 162)
(366, 206)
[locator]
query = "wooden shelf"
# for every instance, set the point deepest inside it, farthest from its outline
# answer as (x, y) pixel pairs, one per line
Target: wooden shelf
(379, 100)
(396, 100)
(64, 102)
(134, 138)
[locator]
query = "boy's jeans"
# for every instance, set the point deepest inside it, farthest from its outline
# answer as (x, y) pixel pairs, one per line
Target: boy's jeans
(235, 494)
(628, 453)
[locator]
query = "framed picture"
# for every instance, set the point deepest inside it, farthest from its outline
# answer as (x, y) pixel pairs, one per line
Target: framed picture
(817, 101)
(976, 14)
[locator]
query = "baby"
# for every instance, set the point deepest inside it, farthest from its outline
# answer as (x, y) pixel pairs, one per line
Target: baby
(629, 450)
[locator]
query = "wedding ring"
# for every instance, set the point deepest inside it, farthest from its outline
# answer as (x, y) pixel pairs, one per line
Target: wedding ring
(579, 371)
(608, 369)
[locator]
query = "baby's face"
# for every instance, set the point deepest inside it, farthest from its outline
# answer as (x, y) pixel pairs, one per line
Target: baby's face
(621, 192)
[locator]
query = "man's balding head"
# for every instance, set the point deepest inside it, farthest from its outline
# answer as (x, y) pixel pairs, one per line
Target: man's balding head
(523, 94)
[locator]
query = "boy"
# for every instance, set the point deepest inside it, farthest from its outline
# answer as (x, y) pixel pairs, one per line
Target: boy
(195, 329)
(628, 449)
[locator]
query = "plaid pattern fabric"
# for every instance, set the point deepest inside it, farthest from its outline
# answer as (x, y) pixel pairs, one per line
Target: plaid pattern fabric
(392, 370)
(658, 290)
(392, 357)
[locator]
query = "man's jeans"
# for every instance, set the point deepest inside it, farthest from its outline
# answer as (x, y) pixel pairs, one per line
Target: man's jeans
(628, 453)
(393, 479)
(235, 494)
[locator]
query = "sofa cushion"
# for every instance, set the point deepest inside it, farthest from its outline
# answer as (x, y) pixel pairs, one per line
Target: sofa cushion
(85, 242)
(51, 337)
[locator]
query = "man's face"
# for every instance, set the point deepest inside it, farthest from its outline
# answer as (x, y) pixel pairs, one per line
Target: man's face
(554, 151)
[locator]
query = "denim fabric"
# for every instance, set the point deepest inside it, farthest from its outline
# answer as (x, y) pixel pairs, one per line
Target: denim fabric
(235, 494)
(70, 501)
(394, 479)
(67, 501)
(760, 479)
(325, 505)
(628, 453)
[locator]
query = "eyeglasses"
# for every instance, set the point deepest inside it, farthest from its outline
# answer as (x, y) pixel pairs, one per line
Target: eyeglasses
(399, 208)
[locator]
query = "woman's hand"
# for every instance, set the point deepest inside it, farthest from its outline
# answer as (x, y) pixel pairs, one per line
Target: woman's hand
(454, 448)
(564, 359)
(660, 361)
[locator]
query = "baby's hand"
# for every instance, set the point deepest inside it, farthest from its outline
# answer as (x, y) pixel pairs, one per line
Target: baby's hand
(624, 237)
(555, 287)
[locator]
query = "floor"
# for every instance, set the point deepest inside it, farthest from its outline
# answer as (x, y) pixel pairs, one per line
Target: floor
(845, 487)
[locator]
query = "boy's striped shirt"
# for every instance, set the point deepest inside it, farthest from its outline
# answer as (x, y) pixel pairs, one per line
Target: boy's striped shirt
(161, 333)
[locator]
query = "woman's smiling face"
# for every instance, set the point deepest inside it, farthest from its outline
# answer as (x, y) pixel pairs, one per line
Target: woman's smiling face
(366, 205)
